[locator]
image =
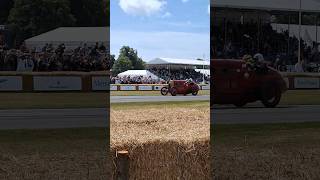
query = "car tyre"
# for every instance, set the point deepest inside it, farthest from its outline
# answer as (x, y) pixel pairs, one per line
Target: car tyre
(194, 93)
(270, 95)
(164, 91)
(240, 104)
(173, 91)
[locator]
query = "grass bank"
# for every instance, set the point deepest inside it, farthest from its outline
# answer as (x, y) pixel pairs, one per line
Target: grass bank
(270, 151)
(54, 154)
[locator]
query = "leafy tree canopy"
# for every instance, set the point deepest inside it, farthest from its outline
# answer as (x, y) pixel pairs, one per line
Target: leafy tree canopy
(33, 17)
(128, 60)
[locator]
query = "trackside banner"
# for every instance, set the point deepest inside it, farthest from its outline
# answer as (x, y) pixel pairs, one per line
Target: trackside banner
(145, 88)
(100, 83)
(57, 83)
(306, 83)
(11, 83)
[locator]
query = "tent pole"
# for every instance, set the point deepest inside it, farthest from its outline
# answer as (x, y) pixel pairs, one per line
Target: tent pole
(169, 71)
(316, 29)
(259, 29)
(225, 34)
(203, 67)
(299, 50)
(289, 34)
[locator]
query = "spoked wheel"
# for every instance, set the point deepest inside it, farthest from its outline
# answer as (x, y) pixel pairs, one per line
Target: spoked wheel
(195, 90)
(195, 93)
(270, 96)
(173, 91)
(240, 104)
(164, 91)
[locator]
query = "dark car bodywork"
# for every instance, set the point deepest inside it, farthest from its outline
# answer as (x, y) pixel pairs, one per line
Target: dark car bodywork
(234, 82)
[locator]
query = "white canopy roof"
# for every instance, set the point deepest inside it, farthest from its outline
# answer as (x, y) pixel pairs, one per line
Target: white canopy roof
(280, 5)
(144, 73)
(163, 61)
(203, 71)
(71, 36)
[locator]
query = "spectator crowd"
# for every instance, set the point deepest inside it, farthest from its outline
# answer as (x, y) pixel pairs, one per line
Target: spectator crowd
(179, 74)
(278, 48)
(163, 75)
(49, 58)
(135, 80)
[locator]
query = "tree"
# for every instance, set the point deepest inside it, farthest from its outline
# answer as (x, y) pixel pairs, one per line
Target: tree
(33, 17)
(5, 6)
(112, 60)
(128, 59)
(132, 55)
(91, 12)
(121, 64)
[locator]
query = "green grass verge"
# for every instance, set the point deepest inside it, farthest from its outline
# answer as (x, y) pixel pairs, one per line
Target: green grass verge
(52, 100)
(52, 140)
(147, 93)
(93, 100)
(301, 97)
(235, 133)
(140, 105)
(51, 153)
(266, 151)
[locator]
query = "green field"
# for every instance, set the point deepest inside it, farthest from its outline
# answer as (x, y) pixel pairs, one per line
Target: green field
(141, 105)
(52, 100)
(92, 100)
(271, 151)
(301, 97)
(65, 153)
(274, 151)
(147, 93)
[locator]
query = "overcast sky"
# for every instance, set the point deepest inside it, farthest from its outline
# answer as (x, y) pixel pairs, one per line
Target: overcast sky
(161, 28)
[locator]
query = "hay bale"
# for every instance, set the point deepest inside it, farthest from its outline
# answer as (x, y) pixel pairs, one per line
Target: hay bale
(167, 160)
(170, 145)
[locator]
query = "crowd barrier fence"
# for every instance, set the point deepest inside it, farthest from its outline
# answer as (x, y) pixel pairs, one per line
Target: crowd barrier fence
(99, 81)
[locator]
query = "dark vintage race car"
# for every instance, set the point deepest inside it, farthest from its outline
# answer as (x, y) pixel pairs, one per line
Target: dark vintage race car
(235, 82)
(175, 87)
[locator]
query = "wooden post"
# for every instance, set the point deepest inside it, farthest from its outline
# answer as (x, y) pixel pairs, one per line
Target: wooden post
(122, 162)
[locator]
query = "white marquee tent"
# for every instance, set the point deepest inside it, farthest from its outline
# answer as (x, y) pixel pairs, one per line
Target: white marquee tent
(203, 71)
(72, 37)
(143, 73)
(173, 61)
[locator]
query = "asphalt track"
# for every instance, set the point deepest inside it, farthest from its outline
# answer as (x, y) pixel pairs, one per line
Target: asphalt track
(97, 117)
(74, 118)
(52, 118)
(257, 114)
(129, 99)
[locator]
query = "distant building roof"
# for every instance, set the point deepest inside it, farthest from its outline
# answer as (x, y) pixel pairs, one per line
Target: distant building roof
(85, 34)
(71, 36)
(132, 73)
(203, 71)
(276, 5)
(163, 61)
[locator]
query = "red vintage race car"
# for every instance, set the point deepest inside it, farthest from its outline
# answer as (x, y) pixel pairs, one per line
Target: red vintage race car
(235, 82)
(175, 87)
